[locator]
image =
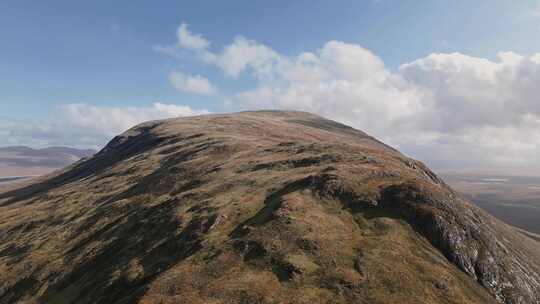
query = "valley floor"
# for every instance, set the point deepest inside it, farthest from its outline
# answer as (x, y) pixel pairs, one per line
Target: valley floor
(513, 199)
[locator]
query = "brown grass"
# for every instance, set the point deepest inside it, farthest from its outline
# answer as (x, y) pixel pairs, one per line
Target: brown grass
(247, 208)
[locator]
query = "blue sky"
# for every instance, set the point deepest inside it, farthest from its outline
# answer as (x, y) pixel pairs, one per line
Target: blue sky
(102, 54)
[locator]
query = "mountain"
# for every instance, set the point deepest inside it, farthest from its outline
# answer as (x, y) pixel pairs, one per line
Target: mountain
(25, 161)
(255, 207)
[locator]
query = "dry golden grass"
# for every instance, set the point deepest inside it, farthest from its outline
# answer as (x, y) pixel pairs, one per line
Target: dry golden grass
(267, 207)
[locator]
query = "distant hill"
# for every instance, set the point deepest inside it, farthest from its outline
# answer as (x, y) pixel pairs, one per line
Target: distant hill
(255, 207)
(18, 161)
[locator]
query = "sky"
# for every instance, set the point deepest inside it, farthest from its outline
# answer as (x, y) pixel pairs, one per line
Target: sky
(455, 84)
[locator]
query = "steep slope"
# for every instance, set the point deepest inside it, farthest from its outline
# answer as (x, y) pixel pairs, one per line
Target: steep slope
(255, 207)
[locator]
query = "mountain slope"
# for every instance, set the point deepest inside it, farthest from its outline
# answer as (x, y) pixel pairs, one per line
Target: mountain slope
(255, 207)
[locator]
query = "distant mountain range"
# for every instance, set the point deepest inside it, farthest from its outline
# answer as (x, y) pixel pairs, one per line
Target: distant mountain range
(18, 161)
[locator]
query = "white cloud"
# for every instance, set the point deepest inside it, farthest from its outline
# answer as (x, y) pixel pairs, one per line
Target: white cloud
(481, 110)
(234, 59)
(85, 125)
(185, 40)
(191, 83)
(113, 120)
(242, 54)
(451, 110)
(341, 81)
(469, 92)
(188, 40)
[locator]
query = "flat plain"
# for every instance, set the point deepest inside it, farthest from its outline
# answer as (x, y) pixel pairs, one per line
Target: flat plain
(513, 199)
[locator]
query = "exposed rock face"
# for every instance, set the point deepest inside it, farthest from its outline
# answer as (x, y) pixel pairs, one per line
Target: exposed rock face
(255, 207)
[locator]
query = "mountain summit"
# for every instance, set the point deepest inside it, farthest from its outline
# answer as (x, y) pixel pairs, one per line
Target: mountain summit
(255, 207)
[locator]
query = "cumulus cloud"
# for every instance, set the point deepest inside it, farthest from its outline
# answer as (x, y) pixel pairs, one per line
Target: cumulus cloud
(242, 54)
(234, 59)
(488, 110)
(85, 125)
(191, 83)
(187, 39)
(448, 109)
(113, 120)
(342, 81)
(467, 91)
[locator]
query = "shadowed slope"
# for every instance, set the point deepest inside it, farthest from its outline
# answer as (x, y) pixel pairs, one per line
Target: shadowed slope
(255, 207)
